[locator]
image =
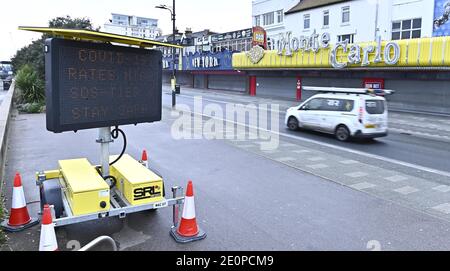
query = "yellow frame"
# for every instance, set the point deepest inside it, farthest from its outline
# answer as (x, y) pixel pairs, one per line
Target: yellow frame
(90, 35)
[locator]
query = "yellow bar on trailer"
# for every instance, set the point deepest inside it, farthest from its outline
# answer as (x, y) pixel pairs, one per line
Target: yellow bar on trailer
(86, 190)
(138, 184)
(49, 174)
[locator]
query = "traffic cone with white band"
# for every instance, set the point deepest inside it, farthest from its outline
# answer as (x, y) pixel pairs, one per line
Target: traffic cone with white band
(19, 218)
(188, 229)
(47, 241)
(144, 159)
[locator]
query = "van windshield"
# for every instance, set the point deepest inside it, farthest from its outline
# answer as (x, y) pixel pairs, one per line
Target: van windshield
(375, 106)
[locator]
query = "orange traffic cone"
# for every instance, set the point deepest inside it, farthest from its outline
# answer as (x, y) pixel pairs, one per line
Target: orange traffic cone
(144, 159)
(47, 241)
(19, 218)
(188, 230)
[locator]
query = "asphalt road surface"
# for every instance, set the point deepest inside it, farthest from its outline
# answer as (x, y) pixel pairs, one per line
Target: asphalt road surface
(244, 201)
(424, 152)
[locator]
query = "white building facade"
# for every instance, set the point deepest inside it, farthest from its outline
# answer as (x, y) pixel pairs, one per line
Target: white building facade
(306, 24)
(355, 20)
(270, 14)
(133, 26)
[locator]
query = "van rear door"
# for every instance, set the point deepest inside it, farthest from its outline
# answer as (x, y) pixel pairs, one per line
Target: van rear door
(376, 115)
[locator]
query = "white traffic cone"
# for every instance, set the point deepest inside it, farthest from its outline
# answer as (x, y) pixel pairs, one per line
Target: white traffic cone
(188, 230)
(19, 218)
(144, 159)
(47, 241)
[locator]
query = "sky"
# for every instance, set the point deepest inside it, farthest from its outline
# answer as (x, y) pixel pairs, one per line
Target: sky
(216, 15)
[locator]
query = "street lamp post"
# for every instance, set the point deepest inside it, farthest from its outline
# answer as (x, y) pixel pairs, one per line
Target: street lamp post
(173, 15)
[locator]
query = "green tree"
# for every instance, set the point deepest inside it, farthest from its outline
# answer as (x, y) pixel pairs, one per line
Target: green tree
(30, 85)
(72, 23)
(33, 54)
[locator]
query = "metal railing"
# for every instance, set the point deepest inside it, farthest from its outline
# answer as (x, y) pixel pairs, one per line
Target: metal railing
(99, 240)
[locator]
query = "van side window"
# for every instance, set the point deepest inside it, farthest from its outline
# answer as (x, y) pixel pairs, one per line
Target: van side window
(314, 104)
(339, 105)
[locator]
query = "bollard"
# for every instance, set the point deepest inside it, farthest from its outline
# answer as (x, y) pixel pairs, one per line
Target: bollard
(176, 207)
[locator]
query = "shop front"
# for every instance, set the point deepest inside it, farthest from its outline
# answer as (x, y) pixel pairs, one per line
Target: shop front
(208, 63)
(418, 69)
(208, 70)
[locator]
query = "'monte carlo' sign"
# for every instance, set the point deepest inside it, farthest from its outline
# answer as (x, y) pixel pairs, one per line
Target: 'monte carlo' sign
(93, 85)
(356, 54)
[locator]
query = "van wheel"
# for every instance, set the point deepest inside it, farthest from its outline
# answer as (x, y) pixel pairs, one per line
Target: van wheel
(342, 133)
(293, 124)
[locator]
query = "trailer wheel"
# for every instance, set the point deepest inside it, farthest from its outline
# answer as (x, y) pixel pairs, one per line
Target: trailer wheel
(50, 193)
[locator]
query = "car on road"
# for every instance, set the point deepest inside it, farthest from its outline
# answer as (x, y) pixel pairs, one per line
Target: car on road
(6, 83)
(346, 113)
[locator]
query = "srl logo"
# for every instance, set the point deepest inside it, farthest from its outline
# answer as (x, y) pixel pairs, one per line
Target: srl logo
(146, 193)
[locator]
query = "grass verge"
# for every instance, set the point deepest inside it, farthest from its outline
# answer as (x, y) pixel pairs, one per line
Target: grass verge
(2, 235)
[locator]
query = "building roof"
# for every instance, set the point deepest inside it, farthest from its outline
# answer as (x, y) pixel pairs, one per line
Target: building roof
(198, 34)
(140, 17)
(310, 4)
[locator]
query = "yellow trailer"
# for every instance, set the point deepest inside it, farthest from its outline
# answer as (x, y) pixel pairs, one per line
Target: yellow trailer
(78, 193)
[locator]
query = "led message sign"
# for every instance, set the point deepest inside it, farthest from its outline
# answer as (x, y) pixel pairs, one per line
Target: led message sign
(93, 85)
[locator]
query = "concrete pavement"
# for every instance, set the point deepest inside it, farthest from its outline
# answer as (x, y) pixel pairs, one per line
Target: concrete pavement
(2, 96)
(245, 200)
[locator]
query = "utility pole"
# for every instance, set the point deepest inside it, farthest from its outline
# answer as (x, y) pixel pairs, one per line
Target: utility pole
(174, 80)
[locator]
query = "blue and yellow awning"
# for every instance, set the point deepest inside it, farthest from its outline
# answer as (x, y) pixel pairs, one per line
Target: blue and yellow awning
(413, 54)
(90, 35)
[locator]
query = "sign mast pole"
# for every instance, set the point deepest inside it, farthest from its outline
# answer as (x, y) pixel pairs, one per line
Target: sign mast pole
(174, 80)
(104, 138)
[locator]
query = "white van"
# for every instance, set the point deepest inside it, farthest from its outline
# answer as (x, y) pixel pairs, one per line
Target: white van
(345, 113)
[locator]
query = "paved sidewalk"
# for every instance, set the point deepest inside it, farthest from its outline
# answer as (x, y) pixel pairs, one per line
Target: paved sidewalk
(425, 194)
(2, 95)
(435, 127)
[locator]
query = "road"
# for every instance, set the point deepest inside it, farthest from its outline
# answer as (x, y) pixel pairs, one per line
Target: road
(302, 196)
(429, 153)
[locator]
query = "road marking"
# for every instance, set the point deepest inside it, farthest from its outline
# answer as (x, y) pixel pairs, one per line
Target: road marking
(318, 166)
(271, 151)
(349, 162)
(362, 186)
(301, 151)
(288, 145)
(396, 178)
(361, 153)
(285, 159)
(316, 159)
(442, 188)
(406, 190)
(245, 146)
(444, 208)
(420, 134)
(357, 174)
